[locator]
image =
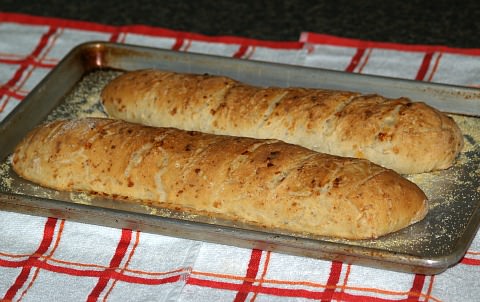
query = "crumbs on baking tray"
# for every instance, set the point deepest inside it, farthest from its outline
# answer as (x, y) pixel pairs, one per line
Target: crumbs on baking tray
(84, 99)
(5, 179)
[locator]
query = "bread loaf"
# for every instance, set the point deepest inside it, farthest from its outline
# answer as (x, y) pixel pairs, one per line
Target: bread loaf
(266, 183)
(395, 133)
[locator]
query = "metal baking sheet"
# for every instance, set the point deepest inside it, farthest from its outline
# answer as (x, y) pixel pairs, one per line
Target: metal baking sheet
(72, 89)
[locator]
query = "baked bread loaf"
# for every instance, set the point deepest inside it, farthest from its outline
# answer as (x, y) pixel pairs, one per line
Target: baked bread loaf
(405, 136)
(267, 183)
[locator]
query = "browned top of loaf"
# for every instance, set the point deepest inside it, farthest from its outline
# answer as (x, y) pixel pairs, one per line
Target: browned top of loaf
(409, 137)
(263, 182)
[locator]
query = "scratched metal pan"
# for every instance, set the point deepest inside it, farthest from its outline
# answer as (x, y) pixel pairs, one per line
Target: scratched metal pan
(72, 89)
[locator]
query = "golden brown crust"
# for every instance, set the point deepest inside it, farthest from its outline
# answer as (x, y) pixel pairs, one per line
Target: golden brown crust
(398, 134)
(262, 182)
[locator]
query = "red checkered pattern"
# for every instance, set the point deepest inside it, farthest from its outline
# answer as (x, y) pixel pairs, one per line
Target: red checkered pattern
(49, 259)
